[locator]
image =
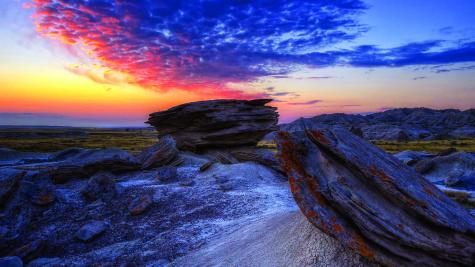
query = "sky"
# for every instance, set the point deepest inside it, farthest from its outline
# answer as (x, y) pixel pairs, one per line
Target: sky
(108, 63)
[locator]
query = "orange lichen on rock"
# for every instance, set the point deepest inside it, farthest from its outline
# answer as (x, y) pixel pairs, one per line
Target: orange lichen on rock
(336, 227)
(289, 155)
(360, 245)
(319, 137)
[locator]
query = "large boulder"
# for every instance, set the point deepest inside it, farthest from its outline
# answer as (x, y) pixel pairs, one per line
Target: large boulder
(216, 123)
(373, 203)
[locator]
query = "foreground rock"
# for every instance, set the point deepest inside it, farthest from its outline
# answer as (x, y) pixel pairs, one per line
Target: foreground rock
(216, 123)
(373, 203)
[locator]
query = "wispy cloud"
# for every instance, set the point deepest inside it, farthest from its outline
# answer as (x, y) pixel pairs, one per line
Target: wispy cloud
(419, 78)
(450, 69)
(311, 102)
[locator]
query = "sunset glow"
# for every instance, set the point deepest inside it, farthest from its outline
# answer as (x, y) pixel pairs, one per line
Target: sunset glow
(111, 63)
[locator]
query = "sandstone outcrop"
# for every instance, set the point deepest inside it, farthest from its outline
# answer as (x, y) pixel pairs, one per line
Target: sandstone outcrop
(216, 123)
(373, 203)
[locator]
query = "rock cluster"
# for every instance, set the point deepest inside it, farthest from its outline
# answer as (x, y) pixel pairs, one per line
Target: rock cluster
(81, 207)
(216, 123)
(373, 203)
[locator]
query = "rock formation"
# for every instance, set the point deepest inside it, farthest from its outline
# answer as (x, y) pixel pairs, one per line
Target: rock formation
(216, 123)
(373, 203)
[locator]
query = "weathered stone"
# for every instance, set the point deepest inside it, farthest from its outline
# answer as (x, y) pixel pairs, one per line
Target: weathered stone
(11, 262)
(41, 194)
(206, 166)
(261, 156)
(449, 169)
(100, 186)
(216, 123)
(140, 204)
(223, 157)
(91, 231)
(46, 262)
(411, 157)
(163, 153)
(167, 174)
(9, 179)
(77, 163)
(29, 250)
(373, 203)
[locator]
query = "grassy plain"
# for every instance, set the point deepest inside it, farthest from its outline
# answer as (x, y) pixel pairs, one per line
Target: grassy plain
(432, 146)
(136, 139)
(49, 140)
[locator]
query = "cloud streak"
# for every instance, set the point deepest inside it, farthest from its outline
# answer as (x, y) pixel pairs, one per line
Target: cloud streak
(306, 103)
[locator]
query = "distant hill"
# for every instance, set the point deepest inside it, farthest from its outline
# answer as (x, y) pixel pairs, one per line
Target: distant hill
(396, 124)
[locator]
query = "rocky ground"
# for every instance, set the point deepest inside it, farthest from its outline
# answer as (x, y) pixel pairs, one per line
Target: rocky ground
(132, 216)
(219, 206)
(160, 215)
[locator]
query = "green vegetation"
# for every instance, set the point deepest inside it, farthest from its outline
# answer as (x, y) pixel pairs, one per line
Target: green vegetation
(432, 146)
(48, 140)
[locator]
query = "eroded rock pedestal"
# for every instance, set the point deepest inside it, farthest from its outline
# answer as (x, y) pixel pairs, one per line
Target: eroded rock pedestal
(216, 123)
(373, 203)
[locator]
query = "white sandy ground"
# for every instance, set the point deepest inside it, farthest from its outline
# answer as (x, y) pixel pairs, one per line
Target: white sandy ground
(278, 239)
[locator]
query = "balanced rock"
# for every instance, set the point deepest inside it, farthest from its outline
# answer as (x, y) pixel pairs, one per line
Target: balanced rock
(373, 203)
(216, 123)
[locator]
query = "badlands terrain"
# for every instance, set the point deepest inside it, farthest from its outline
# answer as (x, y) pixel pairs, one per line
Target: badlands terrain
(204, 193)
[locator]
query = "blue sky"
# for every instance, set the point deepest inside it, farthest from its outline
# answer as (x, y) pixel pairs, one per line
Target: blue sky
(89, 62)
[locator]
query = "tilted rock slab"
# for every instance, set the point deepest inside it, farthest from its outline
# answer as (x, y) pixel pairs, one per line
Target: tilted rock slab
(160, 154)
(373, 203)
(216, 123)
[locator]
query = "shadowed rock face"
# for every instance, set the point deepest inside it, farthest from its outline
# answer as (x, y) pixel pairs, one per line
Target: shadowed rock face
(373, 203)
(216, 123)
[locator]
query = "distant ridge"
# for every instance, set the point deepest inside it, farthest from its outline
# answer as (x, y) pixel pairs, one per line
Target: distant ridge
(396, 124)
